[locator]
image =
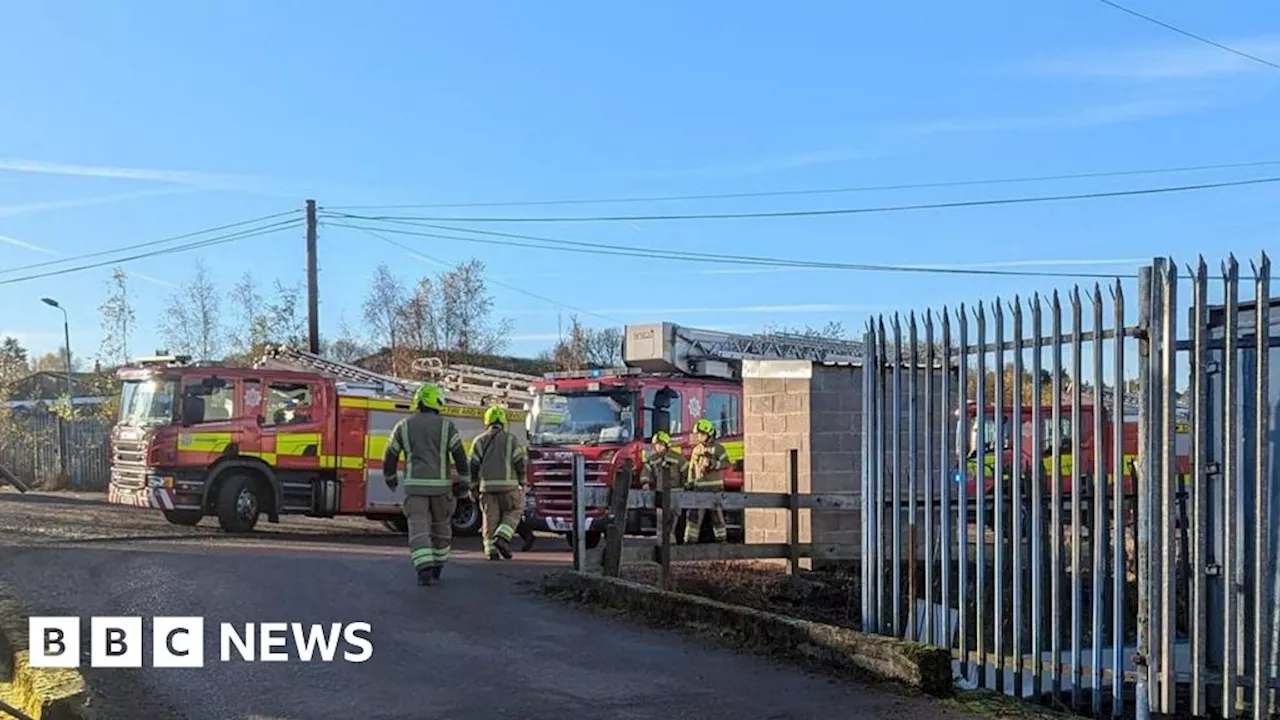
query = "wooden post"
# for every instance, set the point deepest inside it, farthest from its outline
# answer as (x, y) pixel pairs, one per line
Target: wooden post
(666, 508)
(616, 528)
(793, 504)
(579, 513)
(313, 290)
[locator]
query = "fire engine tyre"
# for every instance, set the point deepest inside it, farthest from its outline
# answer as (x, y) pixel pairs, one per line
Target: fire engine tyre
(467, 519)
(397, 525)
(593, 538)
(239, 504)
(189, 518)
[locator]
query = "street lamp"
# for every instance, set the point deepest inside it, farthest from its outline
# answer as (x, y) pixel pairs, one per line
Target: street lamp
(66, 335)
(64, 446)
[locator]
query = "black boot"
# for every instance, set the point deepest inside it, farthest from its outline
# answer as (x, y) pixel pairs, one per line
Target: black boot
(435, 571)
(503, 546)
(426, 576)
(527, 536)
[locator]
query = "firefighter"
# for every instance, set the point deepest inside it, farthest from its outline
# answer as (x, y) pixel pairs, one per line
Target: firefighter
(428, 441)
(663, 470)
(499, 463)
(706, 465)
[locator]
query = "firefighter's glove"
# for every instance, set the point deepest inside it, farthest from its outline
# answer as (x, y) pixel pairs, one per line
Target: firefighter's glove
(461, 489)
(392, 482)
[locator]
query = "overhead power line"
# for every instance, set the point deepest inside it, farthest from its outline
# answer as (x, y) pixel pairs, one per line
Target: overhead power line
(415, 251)
(820, 191)
(834, 211)
(162, 241)
(615, 250)
(195, 245)
(1188, 33)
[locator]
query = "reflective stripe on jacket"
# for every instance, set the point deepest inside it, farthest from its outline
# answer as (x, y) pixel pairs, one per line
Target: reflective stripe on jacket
(498, 460)
(427, 441)
(663, 472)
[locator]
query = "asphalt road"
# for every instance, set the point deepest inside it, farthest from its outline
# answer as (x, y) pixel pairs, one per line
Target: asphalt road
(482, 644)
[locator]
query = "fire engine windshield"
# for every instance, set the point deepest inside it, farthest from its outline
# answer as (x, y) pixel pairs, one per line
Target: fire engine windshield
(146, 403)
(583, 418)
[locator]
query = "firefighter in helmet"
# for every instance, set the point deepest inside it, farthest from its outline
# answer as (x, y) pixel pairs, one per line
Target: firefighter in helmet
(663, 470)
(428, 441)
(705, 474)
(499, 463)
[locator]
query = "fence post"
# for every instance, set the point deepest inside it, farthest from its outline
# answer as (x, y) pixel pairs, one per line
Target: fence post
(793, 505)
(666, 524)
(1142, 704)
(616, 528)
(579, 513)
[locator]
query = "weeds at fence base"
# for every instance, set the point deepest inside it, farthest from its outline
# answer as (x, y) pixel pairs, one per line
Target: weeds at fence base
(832, 597)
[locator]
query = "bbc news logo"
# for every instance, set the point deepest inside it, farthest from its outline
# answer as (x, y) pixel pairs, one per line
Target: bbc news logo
(178, 642)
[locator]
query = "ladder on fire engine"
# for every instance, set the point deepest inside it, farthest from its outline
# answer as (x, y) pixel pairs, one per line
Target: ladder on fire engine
(287, 358)
(465, 384)
(668, 347)
(474, 380)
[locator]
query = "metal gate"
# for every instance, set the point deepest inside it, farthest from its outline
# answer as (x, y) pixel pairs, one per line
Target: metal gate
(1084, 512)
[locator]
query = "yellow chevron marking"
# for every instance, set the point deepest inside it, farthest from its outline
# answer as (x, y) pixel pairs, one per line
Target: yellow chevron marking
(209, 442)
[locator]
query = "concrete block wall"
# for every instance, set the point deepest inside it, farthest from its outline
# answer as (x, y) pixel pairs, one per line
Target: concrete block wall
(817, 409)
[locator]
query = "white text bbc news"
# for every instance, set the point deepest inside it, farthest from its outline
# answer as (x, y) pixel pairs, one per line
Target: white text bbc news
(178, 642)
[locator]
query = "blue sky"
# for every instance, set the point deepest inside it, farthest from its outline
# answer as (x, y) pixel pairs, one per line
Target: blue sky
(132, 121)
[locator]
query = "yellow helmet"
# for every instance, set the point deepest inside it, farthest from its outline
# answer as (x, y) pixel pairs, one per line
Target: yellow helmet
(429, 395)
(661, 438)
(706, 427)
(495, 415)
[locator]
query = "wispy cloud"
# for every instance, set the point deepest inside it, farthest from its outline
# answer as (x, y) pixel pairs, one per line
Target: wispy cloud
(1075, 118)
(795, 161)
(26, 245)
(535, 337)
(148, 278)
(1180, 60)
(736, 309)
(36, 207)
(204, 180)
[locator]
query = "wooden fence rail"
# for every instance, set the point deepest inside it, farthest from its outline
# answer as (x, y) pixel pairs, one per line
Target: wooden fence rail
(618, 550)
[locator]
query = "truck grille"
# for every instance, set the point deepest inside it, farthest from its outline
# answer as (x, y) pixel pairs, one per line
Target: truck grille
(552, 485)
(129, 464)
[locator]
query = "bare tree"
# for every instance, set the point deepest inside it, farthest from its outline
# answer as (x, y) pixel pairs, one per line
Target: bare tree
(191, 323)
(467, 309)
(55, 361)
(118, 320)
(284, 315)
(586, 347)
(833, 330)
(419, 318)
(347, 347)
(383, 308)
(251, 326)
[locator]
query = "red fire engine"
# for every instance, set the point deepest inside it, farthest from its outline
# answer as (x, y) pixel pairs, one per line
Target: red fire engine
(674, 376)
(198, 439)
(1089, 446)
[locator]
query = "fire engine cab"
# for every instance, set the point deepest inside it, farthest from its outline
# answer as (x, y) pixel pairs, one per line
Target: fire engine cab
(673, 376)
(295, 435)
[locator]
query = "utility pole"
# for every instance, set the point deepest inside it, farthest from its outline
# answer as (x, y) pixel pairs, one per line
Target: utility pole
(313, 292)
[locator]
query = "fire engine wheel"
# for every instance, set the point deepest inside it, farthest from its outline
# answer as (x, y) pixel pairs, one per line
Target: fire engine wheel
(593, 538)
(467, 519)
(397, 525)
(190, 518)
(238, 504)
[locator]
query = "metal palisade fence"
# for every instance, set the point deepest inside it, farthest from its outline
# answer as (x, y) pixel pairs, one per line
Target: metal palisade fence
(1081, 503)
(33, 442)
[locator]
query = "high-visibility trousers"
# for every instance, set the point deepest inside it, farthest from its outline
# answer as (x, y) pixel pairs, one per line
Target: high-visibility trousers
(502, 510)
(430, 528)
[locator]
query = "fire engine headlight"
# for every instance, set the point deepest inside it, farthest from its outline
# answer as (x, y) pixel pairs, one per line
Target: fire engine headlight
(160, 481)
(529, 502)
